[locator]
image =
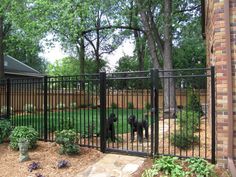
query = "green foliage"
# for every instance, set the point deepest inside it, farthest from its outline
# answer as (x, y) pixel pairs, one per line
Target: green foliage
(148, 106)
(73, 105)
(4, 110)
(114, 106)
(130, 105)
(23, 132)
(29, 108)
(173, 167)
(184, 139)
(194, 103)
(187, 119)
(61, 106)
(165, 165)
(5, 129)
(200, 167)
(67, 138)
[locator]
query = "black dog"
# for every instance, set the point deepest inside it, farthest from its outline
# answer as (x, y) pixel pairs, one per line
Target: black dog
(110, 128)
(138, 126)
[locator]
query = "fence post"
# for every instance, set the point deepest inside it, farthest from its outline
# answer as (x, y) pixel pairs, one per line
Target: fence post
(45, 108)
(213, 158)
(8, 98)
(103, 111)
(154, 116)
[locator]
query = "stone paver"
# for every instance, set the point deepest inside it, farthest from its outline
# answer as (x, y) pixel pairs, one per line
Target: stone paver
(113, 165)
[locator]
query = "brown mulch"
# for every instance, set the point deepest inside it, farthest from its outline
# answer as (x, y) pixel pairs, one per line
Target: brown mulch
(47, 155)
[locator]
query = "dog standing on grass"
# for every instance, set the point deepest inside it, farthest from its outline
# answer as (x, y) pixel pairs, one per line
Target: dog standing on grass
(138, 126)
(110, 128)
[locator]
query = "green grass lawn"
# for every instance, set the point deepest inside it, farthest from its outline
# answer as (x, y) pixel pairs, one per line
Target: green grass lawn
(81, 120)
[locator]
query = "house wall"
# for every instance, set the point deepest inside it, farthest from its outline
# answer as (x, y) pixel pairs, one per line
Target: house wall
(216, 42)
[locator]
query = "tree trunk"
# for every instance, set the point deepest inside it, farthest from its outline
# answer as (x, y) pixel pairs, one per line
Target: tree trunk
(81, 59)
(139, 47)
(98, 67)
(169, 84)
(1, 49)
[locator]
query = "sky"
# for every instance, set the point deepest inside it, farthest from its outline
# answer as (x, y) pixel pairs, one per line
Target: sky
(56, 53)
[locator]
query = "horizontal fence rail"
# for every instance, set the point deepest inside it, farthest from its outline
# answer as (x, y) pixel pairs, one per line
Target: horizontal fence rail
(157, 112)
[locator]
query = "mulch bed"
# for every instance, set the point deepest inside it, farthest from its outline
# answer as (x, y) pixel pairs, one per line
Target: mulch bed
(47, 155)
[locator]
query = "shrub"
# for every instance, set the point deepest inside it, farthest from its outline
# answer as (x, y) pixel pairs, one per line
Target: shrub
(28, 133)
(194, 103)
(5, 129)
(130, 105)
(184, 139)
(67, 139)
(60, 106)
(200, 167)
(29, 108)
(114, 106)
(73, 105)
(148, 106)
(189, 120)
(4, 110)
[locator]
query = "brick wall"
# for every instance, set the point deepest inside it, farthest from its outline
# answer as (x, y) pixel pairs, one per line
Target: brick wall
(216, 56)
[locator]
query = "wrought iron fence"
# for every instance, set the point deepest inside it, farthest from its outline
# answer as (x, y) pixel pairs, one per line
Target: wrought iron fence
(153, 112)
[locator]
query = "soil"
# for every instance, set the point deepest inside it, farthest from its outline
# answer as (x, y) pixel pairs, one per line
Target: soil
(47, 155)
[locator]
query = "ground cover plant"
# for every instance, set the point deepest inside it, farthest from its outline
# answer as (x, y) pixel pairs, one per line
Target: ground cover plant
(174, 167)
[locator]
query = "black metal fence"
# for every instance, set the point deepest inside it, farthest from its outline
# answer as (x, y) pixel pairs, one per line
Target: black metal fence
(145, 113)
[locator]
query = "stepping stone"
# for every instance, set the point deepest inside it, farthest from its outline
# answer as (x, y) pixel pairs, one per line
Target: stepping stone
(130, 168)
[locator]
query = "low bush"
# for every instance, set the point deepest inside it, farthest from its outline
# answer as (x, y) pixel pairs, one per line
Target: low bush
(5, 129)
(130, 105)
(184, 139)
(189, 120)
(20, 132)
(174, 167)
(165, 165)
(148, 106)
(73, 105)
(67, 139)
(4, 110)
(61, 106)
(114, 106)
(200, 167)
(29, 108)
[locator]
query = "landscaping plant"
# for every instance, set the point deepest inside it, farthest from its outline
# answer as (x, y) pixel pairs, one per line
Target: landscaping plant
(200, 167)
(194, 103)
(29, 108)
(33, 166)
(63, 164)
(28, 133)
(5, 130)
(67, 139)
(73, 105)
(130, 105)
(165, 165)
(60, 106)
(4, 110)
(114, 105)
(184, 139)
